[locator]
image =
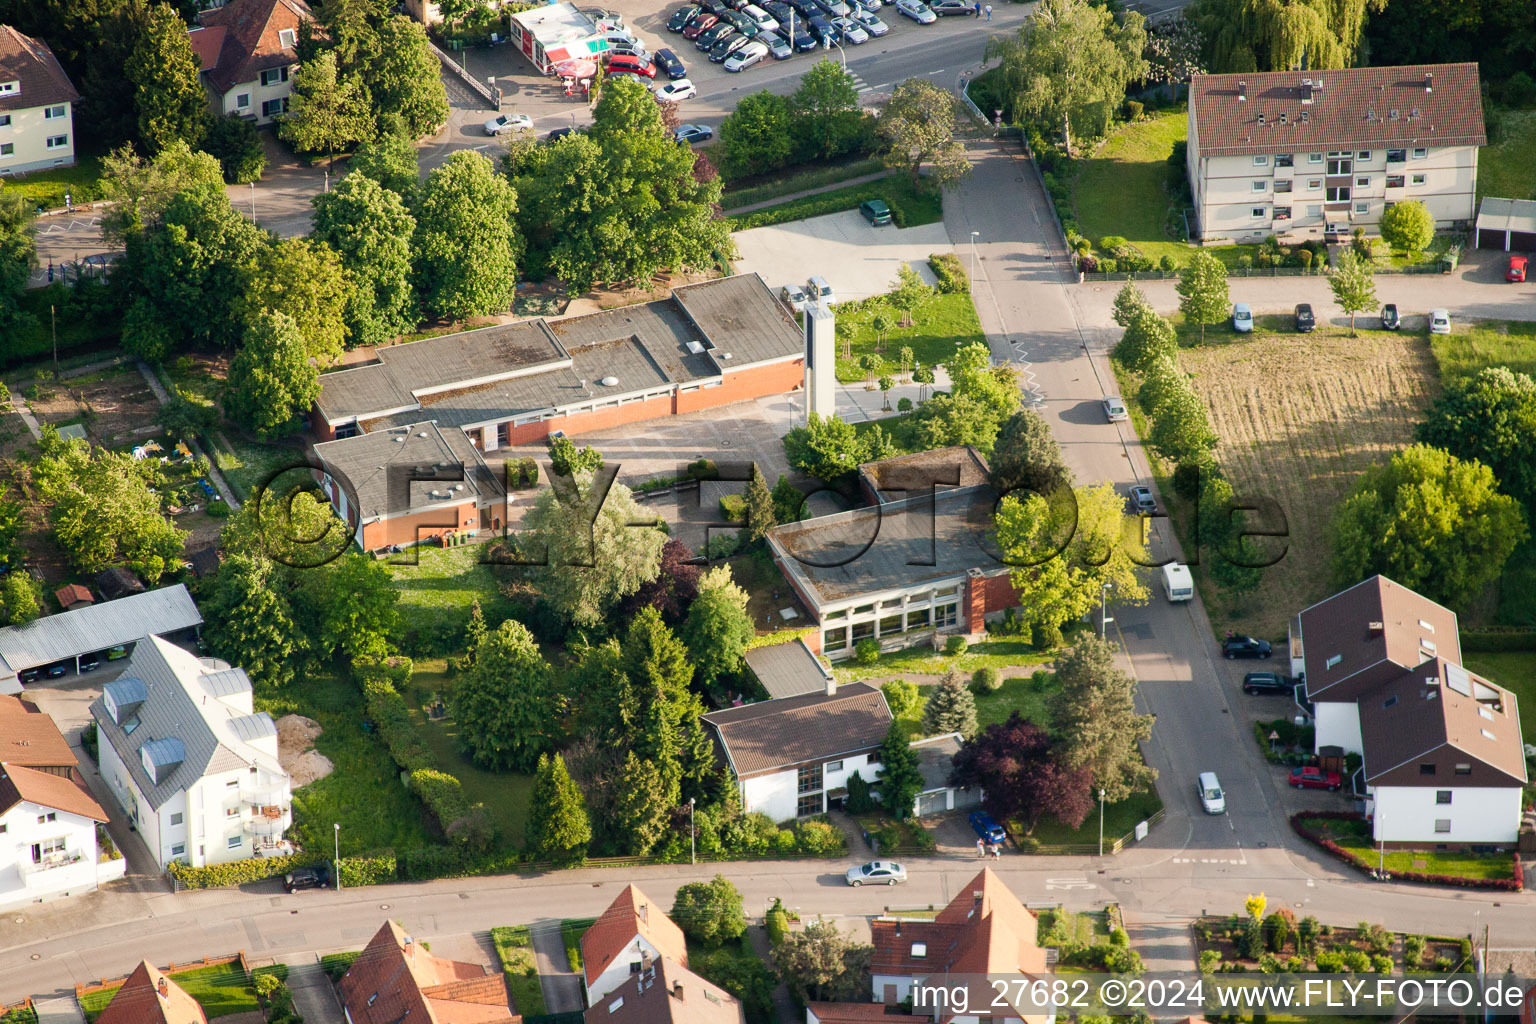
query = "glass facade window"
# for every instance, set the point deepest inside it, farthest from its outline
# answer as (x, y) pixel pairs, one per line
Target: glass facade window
(810, 779)
(835, 639)
(944, 616)
(863, 631)
(890, 625)
(808, 806)
(918, 619)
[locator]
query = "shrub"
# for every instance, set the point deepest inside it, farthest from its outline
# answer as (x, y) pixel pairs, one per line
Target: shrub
(1210, 961)
(1167, 263)
(819, 838)
(955, 645)
(733, 507)
(722, 545)
(704, 469)
(1329, 963)
(950, 271)
(336, 964)
(1245, 262)
(237, 144)
(239, 872)
(866, 652)
(1381, 964)
(1413, 952)
(1186, 479)
(1357, 961)
(1108, 266)
(89, 741)
(376, 868)
(1520, 90)
(903, 405)
(986, 680)
(1133, 109)
(442, 794)
(1304, 258)
(777, 923)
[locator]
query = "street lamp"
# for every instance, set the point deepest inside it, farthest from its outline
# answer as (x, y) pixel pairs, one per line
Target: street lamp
(1381, 846)
(1101, 821)
(1104, 590)
(973, 254)
(840, 51)
(693, 856)
(327, 180)
(253, 202)
(337, 827)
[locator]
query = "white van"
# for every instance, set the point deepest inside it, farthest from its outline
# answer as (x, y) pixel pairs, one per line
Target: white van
(820, 291)
(1178, 584)
(1211, 797)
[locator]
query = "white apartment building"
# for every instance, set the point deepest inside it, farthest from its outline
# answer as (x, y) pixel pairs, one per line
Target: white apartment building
(1302, 153)
(190, 761)
(37, 106)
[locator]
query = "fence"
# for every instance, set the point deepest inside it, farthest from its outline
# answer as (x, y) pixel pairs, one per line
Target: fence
(1314, 271)
(479, 88)
(1111, 846)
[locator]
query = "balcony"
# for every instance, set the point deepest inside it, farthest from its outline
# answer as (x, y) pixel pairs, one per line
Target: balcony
(263, 791)
(51, 862)
(270, 820)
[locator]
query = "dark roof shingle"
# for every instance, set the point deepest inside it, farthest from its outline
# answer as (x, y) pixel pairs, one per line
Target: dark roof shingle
(251, 39)
(772, 735)
(30, 62)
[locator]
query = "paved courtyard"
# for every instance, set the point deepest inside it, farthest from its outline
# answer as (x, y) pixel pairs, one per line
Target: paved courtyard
(856, 259)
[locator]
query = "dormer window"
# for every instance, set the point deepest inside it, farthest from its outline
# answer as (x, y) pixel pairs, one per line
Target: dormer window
(1331, 662)
(919, 950)
(10, 88)
(287, 38)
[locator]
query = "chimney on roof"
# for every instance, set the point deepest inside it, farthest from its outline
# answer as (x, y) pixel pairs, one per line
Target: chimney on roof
(1429, 81)
(831, 687)
(410, 947)
(1242, 92)
(677, 991)
(164, 988)
(1261, 119)
(1306, 90)
(642, 910)
(1375, 628)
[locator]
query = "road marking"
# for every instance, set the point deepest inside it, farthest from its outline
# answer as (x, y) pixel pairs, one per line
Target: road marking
(1068, 883)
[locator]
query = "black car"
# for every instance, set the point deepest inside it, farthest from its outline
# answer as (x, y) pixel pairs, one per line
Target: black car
(688, 134)
(806, 8)
(315, 877)
(727, 46)
(820, 28)
(946, 7)
(779, 11)
(1389, 318)
(681, 17)
(1305, 321)
(1268, 682)
(670, 63)
(803, 40)
(715, 7)
(745, 25)
(1245, 647)
(89, 663)
(712, 35)
(558, 134)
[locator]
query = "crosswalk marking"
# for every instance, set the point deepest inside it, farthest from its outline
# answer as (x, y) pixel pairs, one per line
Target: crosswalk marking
(1240, 862)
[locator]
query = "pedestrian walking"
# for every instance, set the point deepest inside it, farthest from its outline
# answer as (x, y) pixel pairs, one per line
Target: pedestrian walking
(989, 12)
(978, 8)
(980, 848)
(997, 851)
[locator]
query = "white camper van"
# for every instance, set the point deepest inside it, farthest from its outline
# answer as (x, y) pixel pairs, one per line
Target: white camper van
(1178, 584)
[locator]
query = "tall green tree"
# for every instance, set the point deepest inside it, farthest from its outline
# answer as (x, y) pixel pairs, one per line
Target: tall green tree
(505, 704)
(910, 294)
(1070, 63)
(1354, 286)
(981, 396)
(901, 780)
(172, 105)
(370, 228)
(326, 111)
(1490, 417)
(917, 128)
(1408, 226)
(1094, 718)
(271, 380)
(138, 189)
(756, 137)
(1147, 337)
(558, 829)
(710, 912)
(1180, 429)
(19, 598)
(1128, 301)
(390, 160)
(249, 621)
(718, 627)
(825, 110)
(1266, 35)
(1202, 291)
(404, 79)
(1432, 522)
(950, 707)
(1235, 561)
(304, 279)
(758, 502)
(819, 962)
(828, 447)
(18, 253)
(464, 251)
(640, 810)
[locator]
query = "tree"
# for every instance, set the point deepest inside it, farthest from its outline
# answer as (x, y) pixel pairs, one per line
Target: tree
(249, 622)
(900, 778)
(950, 707)
(589, 562)
(981, 396)
(827, 447)
(1026, 456)
(326, 112)
(137, 189)
(568, 460)
(1408, 226)
(305, 280)
(505, 704)
(788, 501)
(390, 160)
(910, 294)
(172, 105)
(1064, 553)
(710, 912)
(464, 251)
(404, 79)
(1202, 291)
(18, 254)
(640, 812)
(1490, 417)
(558, 829)
(718, 627)
(1147, 338)
(1160, 381)
(1180, 430)
(1174, 53)
(1429, 520)
(369, 227)
(1012, 763)
(1354, 286)
(675, 585)
(758, 501)
(1070, 65)
(236, 143)
(271, 380)
(348, 605)
(1094, 716)
(827, 121)
(1129, 300)
(821, 963)
(757, 137)
(19, 598)
(917, 127)
(1238, 561)
(1258, 35)
(902, 697)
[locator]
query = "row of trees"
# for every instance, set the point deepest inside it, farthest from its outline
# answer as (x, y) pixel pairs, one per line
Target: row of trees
(820, 120)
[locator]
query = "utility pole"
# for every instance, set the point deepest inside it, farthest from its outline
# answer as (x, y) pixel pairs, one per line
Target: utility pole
(1101, 821)
(53, 320)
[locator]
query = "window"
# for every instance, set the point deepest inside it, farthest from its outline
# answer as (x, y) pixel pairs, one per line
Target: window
(810, 779)
(9, 88)
(1426, 769)
(1282, 213)
(1362, 207)
(1427, 627)
(864, 609)
(890, 625)
(1258, 213)
(272, 76)
(835, 639)
(1340, 165)
(1314, 158)
(1417, 179)
(1463, 769)
(863, 631)
(287, 38)
(1283, 160)
(43, 819)
(894, 602)
(234, 842)
(945, 591)
(1362, 182)
(47, 848)
(1338, 194)
(5, 120)
(808, 805)
(231, 812)
(841, 613)
(232, 783)
(1420, 153)
(57, 141)
(917, 619)
(1394, 181)
(1485, 713)
(1442, 824)
(919, 950)
(834, 766)
(1261, 161)
(53, 113)
(271, 108)
(1283, 186)
(944, 616)
(1314, 183)
(1390, 701)
(4, 828)
(1259, 186)
(1442, 796)
(177, 818)
(242, 100)
(178, 849)
(1396, 156)
(1487, 735)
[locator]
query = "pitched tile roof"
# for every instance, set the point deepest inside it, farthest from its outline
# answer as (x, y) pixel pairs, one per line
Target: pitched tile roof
(30, 62)
(983, 930)
(774, 735)
(141, 1001)
(1373, 621)
(396, 979)
(631, 913)
(1349, 108)
(71, 594)
(667, 994)
(862, 1013)
(30, 738)
(63, 793)
(250, 41)
(1410, 718)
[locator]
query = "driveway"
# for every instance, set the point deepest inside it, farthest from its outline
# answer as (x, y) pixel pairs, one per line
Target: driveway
(563, 992)
(856, 259)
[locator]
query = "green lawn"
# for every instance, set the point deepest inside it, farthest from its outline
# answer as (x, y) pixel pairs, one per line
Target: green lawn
(220, 991)
(986, 654)
(1355, 837)
(436, 593)
(1508, 168)
(910, 205)
(939, 328)
(1516, 672)
(1119, 819)
(794, 179)
(47, 188)
(514, 946)
(247, 464)
(571, 931)
(505, 794)
(1072, 928)
(364, 793)
(1472, 346)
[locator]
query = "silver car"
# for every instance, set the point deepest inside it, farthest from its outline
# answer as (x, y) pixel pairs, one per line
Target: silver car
(877, 872)
(850, 31)
(508, 123)
(795, 298)
(871, 24)
(777, 45)
(917, 11)
(1114, 410)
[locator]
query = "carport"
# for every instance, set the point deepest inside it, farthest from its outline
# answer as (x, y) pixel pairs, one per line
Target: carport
(1508, 225)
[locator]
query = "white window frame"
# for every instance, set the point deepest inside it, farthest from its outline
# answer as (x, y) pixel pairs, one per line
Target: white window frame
(178, 849)
(1362, 181)
(1362, 207)
(1259, 186)
(1314, 183)
(57, 142)
(1261, 161)
(10, 88)
(287, 38)
(1442, 826)
(7, 148)
(1258, 212)
(242, 101)
(5, 120)
(55, 112)
(1420, 153)
(1418, 179)
(1314, 158)
(1363, 154)
(234, 842)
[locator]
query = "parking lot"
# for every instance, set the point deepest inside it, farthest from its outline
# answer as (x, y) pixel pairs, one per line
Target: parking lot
(856, 259)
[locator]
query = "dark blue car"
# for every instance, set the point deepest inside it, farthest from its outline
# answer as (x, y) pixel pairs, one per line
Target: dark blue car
(988, 829)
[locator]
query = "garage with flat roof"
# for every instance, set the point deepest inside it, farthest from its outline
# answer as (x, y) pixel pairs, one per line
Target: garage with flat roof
(1508, 225)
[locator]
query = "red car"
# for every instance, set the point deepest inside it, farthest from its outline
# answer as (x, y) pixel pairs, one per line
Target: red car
(632, 65)
(699, 24)
(1516, 271)
(1315, 778)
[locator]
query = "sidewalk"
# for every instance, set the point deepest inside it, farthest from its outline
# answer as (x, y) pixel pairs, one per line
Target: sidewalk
(314, 997)
(862, 179)
(63, 1010)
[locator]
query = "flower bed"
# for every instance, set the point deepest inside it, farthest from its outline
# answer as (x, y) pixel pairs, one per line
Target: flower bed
(1311, 826)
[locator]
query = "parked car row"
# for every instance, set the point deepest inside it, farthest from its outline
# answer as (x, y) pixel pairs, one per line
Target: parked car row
(88, 663)
(738, 34)
(1305, 320)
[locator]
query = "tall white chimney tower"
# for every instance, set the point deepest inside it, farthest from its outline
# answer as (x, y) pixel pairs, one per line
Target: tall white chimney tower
(820, 360)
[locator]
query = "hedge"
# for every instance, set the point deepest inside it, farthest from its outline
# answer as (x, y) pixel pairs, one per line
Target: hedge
(336, 964)
(240, 872)
(1497, 640)
(909, 207)
(392, 718)
(442, 793)
(368, 869)
(946, 266)
(1515, 884)
(782, 636)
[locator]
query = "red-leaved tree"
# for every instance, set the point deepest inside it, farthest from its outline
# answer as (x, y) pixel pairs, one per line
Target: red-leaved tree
(675, 586)
(1012, 763)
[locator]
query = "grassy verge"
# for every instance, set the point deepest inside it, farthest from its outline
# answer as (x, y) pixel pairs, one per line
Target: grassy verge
(910, 206)
(1516, 672)
(220, 990)
(47, 188)
(998, 654)
(1471, 347)
(1119, 819)
(939, 328)
(514, 946)
(1073, 928)
(1354, 837)
(247, 465)
(571, 931)
(794, 179)
(1508, 168)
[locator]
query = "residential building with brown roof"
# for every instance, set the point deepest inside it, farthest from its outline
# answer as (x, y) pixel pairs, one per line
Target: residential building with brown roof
(149, 997)
(247, 51)
(396, 979)
(626, 940)
(48, 822)
(792, 756)
(1442, 755)
(1304, 153)
(29, 738)
(984, 930)
(37, 106)
(666, 992)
